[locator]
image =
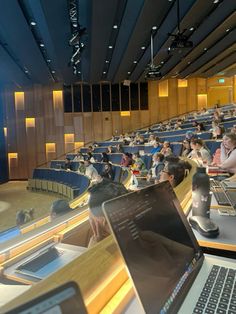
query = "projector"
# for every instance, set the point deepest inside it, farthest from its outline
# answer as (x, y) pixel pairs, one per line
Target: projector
(152, 75)
(179, 43)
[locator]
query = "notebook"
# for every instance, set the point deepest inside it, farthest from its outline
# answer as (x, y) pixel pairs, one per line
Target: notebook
(160, 251)
(62, 300)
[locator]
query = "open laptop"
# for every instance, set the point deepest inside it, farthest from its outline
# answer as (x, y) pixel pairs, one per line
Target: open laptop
(62, 300)
(162, 255)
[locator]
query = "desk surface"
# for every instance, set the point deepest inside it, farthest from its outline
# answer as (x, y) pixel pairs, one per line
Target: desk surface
(226, 239)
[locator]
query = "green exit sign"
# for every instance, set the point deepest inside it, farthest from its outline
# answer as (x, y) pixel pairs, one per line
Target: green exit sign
(221, 80)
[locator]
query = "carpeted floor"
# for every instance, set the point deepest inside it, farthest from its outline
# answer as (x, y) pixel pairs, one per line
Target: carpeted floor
(14, 196)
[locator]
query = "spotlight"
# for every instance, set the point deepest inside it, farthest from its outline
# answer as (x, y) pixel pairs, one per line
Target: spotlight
(74, 39)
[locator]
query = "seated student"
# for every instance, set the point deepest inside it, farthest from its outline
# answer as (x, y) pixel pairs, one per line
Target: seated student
(79, 157)
(81, 168)
(186, 148)
(90, 157)
(216, 130)
(59, 207)
(105, 157)
(199, 153)
(108, 171)
(156, 148)
(166, 150)
(228, 153)
(90, 171)
(126, 160)
(110, 150)
(233, 130)
(157, 167)
(200, 128)
(99, 193)
(174, 172)
(151, 140)
(119, 148)
(138, 164)
(67, 165)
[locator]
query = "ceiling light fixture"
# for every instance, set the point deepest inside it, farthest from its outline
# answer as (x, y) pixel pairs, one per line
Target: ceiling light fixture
(41, 45)
(115, 26)
(48, 60)
(135, 62)
(227, 30)
(143, 47)
(205, 49)
(33, 23)
(191, 29)
(154, 28)
(110, 47)
(107, 61)
(162, 62)
(104, 72)
(215, 1)
(128, 72)
(53, 71)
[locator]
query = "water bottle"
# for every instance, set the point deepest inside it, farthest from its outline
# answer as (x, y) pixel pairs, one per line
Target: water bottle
(201, 196)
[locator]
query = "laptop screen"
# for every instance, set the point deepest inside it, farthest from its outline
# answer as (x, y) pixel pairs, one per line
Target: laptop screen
(157, 245)
(62, 300)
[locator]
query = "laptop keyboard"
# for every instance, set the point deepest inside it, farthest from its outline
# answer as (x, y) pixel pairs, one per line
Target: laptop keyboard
(231, 194)
(214, 184)
(218, 296)
(40, 261)
(221, 198)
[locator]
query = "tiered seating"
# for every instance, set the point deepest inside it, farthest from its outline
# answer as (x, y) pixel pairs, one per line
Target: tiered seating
(67, 183)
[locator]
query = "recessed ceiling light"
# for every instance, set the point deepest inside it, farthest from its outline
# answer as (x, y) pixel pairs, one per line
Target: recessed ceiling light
(191, 28)
(110, 47)
(189, 62)
(143, 47)
(48, 60)
(115, 26)
(33, 23)
(104, 72)
(205, 49)
(228, 29)
(215, 1)
(107, 61)
(162, 62)
(128, 72)
(135, 62)
(41, 45)
(79, 72)
(154, 28)
(26, 71)
(53, 71)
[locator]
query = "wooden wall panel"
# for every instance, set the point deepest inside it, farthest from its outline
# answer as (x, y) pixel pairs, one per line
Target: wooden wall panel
(152, 101)
(163, 108)
(78, 124)
(88, 127)
(106, 125)
(116, 123)
(173, 98)
(97, 128)
(135, 120)
(126, 125)
(192, 95)
(182, 100)
(40, 141)
(21, 135)
(144, 118)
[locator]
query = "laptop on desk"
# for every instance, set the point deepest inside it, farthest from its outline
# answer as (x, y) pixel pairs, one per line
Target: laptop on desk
(163, 258)
(61, 300)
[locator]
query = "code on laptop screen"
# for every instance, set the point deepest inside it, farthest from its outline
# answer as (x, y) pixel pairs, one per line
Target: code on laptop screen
(154, 242)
